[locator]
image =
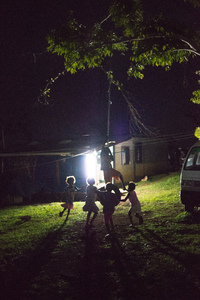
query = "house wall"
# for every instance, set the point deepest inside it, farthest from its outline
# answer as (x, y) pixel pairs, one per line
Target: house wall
(149, 169)
(48, 173)
(153, 160)
(126, 170)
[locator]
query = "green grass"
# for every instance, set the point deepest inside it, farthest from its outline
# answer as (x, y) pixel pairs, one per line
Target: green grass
(17, 236)
(165, 246)
(164, 214)
(159, 197)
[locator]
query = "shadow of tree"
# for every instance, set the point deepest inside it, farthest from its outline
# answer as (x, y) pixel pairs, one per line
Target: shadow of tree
(85, 265)
(25, 268)
(186, 277)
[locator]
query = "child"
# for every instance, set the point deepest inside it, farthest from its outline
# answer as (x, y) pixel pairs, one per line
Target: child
(68, 195)
(109, 173)
(135, 203)
(109, 200)
(90, 206)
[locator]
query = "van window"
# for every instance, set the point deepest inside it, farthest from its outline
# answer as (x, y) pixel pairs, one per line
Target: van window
(193, 160)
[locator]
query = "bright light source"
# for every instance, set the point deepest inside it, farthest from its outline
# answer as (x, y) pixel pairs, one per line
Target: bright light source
(91, 165)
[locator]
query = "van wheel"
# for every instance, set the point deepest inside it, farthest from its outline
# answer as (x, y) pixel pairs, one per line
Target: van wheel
(189, 208)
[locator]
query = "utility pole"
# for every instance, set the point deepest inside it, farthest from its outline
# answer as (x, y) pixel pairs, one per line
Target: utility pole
(108, 117)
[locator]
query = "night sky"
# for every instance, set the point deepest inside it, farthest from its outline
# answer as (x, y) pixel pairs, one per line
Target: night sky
(78, 103)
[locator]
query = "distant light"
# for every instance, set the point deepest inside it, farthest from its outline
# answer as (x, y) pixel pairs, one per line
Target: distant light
(91, 165)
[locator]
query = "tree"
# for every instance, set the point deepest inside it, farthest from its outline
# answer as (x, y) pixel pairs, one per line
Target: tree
(129, 30)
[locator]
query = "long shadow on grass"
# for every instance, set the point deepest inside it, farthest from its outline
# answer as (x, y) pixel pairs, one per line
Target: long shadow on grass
(14, 282)
(93, 281)
(184, 282)
(107, 272)
(129, 271)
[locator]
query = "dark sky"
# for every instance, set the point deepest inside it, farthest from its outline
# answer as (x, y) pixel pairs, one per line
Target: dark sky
(79, 102)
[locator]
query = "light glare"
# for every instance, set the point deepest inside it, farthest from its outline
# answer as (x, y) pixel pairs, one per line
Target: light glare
(91, 165)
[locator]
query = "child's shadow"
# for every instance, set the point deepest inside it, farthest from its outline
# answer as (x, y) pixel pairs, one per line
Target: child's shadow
(127, 269)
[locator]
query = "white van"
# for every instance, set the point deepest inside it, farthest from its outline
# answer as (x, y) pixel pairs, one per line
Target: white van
(190, 178)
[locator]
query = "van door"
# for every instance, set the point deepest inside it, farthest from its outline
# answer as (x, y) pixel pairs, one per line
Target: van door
(190, 179)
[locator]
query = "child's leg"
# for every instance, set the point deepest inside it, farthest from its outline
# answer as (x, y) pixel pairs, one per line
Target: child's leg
(111, 223)
(93, 218)
(107, 227)
(140, 218)
(62, 212)
(88, 217)
(122, 180)
(130, 217)
(68, 214)
(106, 219)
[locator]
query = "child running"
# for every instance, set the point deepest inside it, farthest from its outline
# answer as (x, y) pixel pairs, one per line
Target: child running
(109, 200)
(90, 205)
(68, 195)
(135, 203)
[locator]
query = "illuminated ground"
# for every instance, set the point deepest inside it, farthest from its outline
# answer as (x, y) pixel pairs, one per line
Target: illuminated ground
(136, 263)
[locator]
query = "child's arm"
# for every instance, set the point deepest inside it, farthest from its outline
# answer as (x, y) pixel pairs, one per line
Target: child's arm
(79, 189)
(101, 189)
(101, 196)
(123, 200)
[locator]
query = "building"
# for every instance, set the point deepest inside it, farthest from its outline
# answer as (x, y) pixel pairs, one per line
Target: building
(40, 173)
(140, 157)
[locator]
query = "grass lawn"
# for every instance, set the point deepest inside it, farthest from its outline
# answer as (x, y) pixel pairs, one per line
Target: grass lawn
(43, 256)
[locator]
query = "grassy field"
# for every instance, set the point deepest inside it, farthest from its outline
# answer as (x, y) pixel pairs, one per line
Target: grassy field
(44, 257)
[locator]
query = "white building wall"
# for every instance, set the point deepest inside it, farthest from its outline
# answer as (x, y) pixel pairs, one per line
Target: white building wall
(154, 159)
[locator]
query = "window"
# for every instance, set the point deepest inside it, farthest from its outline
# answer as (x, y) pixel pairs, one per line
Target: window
(138, 153)
(193, 160)
(125, 155)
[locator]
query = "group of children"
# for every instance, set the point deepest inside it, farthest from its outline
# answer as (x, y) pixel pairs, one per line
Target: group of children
(109, 197)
